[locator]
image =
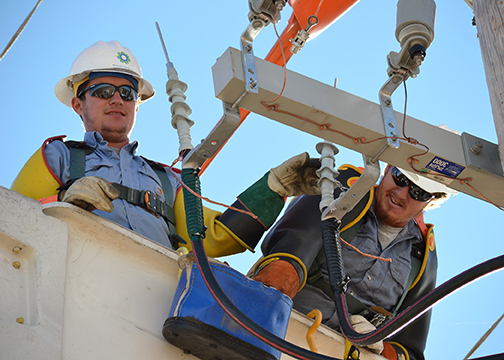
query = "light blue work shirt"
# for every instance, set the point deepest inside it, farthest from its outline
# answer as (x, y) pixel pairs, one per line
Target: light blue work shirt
(127, 169)
(373, 281)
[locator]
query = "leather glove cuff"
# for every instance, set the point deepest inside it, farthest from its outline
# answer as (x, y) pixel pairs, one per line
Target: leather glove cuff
(394, 351)
(281, 275)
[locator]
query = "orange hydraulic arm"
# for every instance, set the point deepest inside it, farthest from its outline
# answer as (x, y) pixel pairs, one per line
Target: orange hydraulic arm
(327, 13)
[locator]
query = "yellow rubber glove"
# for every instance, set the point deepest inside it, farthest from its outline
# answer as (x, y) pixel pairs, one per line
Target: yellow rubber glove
(295, 176)
(362, 326)
(91, 193)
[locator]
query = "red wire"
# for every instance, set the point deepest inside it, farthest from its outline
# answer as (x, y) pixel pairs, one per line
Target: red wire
(249, 213)
(284, 60)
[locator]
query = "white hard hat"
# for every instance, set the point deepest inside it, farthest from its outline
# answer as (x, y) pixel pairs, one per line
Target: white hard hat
(427, 184)
(102, 57)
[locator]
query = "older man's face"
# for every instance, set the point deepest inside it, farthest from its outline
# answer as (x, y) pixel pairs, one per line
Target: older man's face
(113, 118)
(393, 205)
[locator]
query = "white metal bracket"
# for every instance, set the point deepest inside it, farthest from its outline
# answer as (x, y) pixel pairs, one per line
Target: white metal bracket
(215, 139)
(248, 59)
(387, 111)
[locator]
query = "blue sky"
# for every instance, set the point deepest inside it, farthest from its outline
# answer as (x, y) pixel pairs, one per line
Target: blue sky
(450, 90)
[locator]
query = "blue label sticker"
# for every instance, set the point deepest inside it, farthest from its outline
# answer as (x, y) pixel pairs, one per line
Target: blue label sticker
(445, 167)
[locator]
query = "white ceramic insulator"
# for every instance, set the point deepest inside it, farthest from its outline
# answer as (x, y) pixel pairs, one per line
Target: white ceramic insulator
(327, 173)
(172, 73)
(415, 18)
(183, 132)
(180, 112)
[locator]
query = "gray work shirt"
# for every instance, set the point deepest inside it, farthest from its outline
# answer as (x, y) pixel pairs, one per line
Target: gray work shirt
(127, 169)
(373, 281)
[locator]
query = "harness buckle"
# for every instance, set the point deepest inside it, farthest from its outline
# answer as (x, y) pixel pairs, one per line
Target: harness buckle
(378, 319)
(151, 201)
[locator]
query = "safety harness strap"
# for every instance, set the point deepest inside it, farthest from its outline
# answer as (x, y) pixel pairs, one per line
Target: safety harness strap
(143, 198)
(78, 150)
(416, 264)
(169, 199)
(146, 200)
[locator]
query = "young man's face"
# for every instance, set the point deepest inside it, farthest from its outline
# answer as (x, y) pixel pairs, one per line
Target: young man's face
(393, 205)
(113, 118)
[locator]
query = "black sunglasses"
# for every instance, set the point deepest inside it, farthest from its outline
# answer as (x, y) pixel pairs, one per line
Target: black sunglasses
(106, 91)
(416, 192)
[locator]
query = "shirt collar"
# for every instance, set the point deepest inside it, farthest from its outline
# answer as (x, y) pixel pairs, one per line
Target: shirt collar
(95, 141)
(411, 228)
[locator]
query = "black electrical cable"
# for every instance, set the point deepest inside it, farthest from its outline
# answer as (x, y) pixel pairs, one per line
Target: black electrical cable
(490, 357)
(396, 324)
(334, 257)
(407, 315)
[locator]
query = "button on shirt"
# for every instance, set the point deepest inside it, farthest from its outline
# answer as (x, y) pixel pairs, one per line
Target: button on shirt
(127, 169)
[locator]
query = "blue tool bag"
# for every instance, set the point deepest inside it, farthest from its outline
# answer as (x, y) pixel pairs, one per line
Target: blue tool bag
(199, 326)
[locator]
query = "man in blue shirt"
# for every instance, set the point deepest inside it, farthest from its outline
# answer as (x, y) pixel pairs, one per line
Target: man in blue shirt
(104, 88)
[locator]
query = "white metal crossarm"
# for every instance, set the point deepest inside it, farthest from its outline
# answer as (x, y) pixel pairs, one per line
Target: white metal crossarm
(341, 118)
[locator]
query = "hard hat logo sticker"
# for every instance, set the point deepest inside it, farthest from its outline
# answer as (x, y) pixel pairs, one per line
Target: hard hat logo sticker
(123, 57)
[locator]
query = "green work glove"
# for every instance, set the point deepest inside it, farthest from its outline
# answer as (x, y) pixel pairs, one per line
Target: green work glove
(91, 193)
(295, 176)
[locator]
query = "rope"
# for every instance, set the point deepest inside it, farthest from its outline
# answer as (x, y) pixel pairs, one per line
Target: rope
(284, 60)
(186, 187)
(364, 254)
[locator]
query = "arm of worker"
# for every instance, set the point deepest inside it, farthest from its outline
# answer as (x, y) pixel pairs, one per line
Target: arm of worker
(36, 179)
(296, 238)
(291, 246)
(232, 231)
(41, 181)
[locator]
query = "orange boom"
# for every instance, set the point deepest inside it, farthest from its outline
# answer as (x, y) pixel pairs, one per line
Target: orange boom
(327, 12)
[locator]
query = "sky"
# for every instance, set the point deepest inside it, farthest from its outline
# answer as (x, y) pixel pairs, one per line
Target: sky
(450, 90)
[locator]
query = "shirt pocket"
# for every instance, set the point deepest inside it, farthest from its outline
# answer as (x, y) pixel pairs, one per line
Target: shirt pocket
(400, 268)
(97, 165)
(356, 264)
(150, 181)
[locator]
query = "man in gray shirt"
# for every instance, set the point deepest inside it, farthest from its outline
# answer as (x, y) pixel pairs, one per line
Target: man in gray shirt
(384, 239)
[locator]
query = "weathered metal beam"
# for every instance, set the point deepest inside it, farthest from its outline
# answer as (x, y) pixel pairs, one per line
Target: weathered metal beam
(326, 112)
(488, 16)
